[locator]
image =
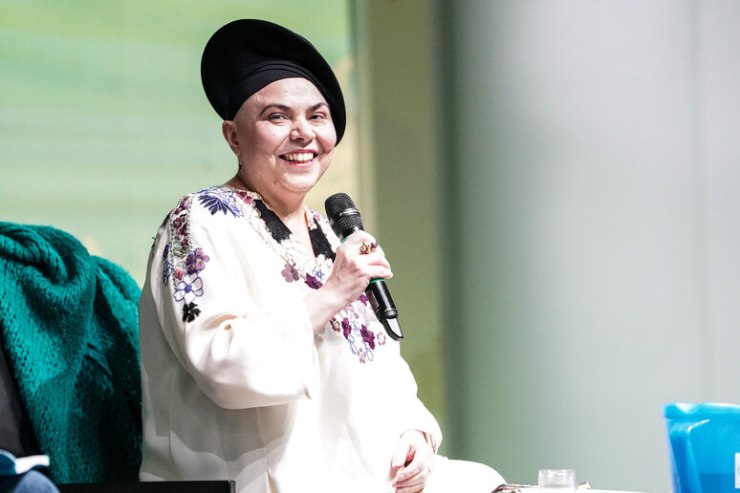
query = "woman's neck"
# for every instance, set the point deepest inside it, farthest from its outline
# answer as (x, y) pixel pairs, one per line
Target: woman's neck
(288, 209)
(291, 212)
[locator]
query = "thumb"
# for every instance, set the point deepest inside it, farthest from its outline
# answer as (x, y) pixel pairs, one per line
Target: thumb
(400, 455)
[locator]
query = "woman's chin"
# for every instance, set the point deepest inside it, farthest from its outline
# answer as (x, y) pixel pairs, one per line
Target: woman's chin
(304, 180)
(301, 186)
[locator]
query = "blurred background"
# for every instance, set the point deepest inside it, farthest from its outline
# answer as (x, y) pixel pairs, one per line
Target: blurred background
(554, 181)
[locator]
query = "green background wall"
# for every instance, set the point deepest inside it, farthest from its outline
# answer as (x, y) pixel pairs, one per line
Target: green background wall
(554, 181)
(103, 121)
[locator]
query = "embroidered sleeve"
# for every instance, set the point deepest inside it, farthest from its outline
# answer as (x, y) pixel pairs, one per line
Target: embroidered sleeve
(183, 260)
(246, 342)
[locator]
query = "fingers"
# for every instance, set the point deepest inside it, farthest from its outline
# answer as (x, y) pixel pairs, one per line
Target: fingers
(358, 260)
(415, 478)
(367, 247)
(363, 241)
(362, 250)
(411, 463)
(400, 456)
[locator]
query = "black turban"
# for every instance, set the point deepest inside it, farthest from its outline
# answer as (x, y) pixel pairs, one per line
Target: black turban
(246, 55)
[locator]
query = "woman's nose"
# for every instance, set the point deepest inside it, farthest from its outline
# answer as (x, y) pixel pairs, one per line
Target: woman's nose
(301, 130)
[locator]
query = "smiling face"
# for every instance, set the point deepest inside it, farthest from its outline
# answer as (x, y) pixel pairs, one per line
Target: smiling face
(284, 137)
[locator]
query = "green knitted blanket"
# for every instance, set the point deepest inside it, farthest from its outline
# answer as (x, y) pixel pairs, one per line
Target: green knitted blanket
(68, 323)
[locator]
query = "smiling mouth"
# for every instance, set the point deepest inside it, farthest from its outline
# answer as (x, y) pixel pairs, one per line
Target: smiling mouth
(299, 157)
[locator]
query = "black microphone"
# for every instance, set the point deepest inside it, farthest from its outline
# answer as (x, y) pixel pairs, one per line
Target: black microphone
(345, 219)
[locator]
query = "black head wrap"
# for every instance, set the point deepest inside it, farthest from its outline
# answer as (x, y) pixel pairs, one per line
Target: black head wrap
(246, 55)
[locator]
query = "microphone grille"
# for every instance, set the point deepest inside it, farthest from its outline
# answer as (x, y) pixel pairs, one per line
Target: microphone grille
(343, 214)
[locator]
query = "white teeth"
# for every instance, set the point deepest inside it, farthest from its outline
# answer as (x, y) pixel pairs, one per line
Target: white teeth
(302, 157)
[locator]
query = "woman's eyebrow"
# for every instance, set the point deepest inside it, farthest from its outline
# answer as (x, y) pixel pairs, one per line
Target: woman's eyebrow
(278, 106)
(319, 105)
(286, 108)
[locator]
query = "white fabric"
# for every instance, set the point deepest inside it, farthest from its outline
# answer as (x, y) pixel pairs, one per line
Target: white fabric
(244, 390)
(451, 476)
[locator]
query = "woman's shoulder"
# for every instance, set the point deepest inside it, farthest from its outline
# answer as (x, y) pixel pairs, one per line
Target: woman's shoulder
(212, 208)
(210, 203)
(216, 200)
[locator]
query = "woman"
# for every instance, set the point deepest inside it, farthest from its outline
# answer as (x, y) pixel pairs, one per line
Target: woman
(262, 361)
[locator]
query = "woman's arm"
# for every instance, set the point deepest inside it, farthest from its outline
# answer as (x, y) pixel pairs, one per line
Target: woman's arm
(234, 323)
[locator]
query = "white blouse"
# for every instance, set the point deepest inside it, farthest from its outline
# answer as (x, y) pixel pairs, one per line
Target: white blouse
(235, 384)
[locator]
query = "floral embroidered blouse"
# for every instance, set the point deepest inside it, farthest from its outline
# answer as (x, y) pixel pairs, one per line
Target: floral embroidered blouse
(235, 383)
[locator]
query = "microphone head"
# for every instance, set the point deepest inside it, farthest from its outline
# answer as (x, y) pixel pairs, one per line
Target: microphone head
(343, 215)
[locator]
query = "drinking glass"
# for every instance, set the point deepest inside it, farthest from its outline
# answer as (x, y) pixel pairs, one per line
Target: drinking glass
(556, 480)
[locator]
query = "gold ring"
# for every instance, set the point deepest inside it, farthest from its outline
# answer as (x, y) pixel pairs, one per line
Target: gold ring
(367, 247)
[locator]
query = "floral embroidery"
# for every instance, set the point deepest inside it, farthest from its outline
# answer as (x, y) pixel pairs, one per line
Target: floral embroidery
(184, 262)
(314, 270)
(361, 340)
(189, 312)
(196, 261)
(181, 264)
(346, 328)
(312, 282)
(167, 269)
(188, 289)
(368, 337)
(219, 200)
(352, 321)
(380, 338)
(290, 274)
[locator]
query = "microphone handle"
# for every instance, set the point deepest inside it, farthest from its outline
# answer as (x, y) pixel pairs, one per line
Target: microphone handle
(381, 301)
(384, 308)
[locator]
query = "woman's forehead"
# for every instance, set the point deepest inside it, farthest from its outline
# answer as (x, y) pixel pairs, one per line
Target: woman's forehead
(288, 92)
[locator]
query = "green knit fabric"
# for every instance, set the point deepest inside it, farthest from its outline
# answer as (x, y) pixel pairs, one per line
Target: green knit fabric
(69, 324)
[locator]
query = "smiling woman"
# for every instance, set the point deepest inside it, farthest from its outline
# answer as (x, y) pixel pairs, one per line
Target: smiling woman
(262, 358)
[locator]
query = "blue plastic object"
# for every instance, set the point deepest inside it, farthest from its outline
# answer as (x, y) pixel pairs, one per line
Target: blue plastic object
(705, 447)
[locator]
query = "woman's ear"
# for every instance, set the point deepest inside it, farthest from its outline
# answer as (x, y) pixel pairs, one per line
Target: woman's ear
(228, 127)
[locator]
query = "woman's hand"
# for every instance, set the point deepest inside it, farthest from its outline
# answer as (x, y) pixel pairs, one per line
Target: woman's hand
(412, 463)
(358, 260)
